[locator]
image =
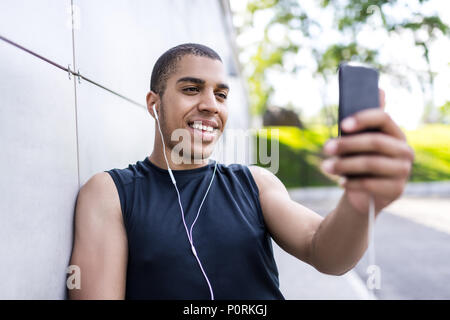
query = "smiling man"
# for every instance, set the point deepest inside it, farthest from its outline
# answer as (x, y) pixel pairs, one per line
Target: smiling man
(206, 231)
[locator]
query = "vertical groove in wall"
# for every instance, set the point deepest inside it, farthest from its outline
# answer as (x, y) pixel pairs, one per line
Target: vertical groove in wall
(75, 95)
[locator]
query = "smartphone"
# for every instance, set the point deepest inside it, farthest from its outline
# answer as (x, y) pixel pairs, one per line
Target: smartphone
(358, 90)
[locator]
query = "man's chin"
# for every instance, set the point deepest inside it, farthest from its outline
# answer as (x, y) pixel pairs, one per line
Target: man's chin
(195, 157)
(200, 158)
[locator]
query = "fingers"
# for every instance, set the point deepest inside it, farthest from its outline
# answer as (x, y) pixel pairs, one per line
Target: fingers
(370, 154)
(368, 165)
(380, 187)
(369, 143)
(372, 118)
(378, 163)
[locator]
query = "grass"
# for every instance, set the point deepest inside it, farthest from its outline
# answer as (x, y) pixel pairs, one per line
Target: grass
(300, 154)
(431, 144)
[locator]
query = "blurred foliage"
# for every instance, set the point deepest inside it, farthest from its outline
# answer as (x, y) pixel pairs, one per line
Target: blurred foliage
(439, 115)
(300, 154)
(350, 17)
(444, 111)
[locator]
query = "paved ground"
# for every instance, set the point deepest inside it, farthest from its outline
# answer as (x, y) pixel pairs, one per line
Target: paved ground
(412, 244)
(300, 281)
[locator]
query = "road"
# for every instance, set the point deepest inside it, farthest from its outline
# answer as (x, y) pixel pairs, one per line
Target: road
(412, 245)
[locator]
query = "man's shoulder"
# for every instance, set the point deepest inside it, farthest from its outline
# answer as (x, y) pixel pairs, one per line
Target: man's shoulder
(99, 195)
(128, 174)
(265, 179)
(259, 174)
(100, 182)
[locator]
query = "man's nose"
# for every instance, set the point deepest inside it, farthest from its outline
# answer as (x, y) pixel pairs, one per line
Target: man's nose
(208, 102)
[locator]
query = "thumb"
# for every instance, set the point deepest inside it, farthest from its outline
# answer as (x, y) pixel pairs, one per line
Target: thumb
(382, 97)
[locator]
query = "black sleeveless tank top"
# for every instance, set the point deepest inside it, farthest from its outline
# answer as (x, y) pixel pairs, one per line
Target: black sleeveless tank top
(230, 236)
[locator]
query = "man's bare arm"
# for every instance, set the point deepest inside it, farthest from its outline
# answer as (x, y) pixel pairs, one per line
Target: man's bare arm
(100, 246)
(332, 245)
(290, 224)
(381, 163)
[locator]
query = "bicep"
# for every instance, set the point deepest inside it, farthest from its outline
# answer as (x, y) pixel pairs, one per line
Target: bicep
(100, 243)
(290, 224)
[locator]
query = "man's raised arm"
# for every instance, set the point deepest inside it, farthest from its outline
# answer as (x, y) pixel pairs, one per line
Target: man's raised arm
(380, 164)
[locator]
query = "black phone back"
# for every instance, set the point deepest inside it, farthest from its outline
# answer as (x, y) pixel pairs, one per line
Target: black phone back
(358, 90)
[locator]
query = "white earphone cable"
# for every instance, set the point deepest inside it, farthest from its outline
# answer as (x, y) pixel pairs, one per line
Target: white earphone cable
(188, 233)
(371, 231)
(374, 271)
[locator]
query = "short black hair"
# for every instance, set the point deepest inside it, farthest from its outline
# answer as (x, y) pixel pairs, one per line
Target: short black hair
(167, 63)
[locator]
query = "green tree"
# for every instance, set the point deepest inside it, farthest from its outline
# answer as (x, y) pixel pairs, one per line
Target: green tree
(291, 18)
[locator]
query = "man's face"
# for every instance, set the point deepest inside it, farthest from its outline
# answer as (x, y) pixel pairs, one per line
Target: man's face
(195, 95)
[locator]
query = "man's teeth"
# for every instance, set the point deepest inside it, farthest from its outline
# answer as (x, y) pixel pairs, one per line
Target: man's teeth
(201, 127)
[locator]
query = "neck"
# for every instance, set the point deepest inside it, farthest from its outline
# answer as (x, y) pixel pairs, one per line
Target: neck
(157, 158)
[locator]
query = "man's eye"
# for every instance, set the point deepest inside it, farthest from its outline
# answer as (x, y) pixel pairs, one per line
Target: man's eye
(191, 89)
(222, 95)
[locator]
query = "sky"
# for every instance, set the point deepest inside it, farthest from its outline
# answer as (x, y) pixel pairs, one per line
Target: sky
(307, 95)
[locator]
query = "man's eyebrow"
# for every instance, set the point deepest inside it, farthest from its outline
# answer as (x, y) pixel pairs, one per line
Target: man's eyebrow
(201, 81)
(223, 86)
(191, 79)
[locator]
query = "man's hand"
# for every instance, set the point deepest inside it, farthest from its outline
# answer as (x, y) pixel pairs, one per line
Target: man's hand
(384, 158)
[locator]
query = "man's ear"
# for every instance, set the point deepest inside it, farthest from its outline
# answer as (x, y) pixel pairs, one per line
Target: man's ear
(152, 99)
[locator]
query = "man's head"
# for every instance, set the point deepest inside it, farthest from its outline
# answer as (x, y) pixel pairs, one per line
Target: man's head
(188, 84)
(166, 64)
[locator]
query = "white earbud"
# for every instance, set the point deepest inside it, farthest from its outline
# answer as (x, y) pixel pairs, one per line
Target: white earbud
(154, 111)
(164, 147)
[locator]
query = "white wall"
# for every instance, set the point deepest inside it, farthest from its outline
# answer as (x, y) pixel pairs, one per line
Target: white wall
(56, 133)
